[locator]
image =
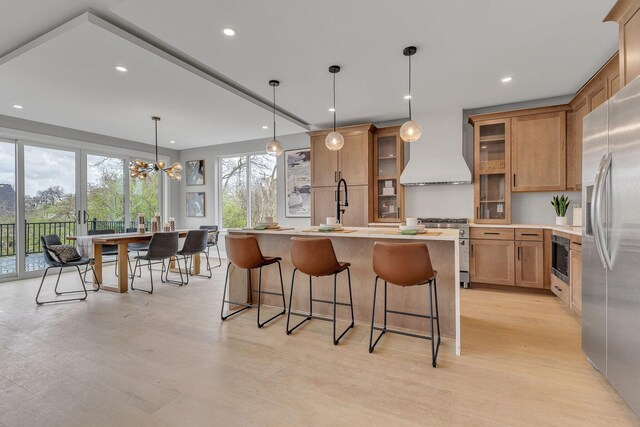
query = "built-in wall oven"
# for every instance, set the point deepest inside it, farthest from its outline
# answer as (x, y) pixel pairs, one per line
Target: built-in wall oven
(560, 247)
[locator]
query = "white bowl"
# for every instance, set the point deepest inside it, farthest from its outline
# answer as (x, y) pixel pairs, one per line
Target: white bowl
(334, 226)
(418, 227)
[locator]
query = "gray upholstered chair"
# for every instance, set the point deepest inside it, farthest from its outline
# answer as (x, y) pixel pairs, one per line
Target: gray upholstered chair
(212, 240)
(137, 247)
(162, 247)
(109, 250)
(52, 240)
(195, 244)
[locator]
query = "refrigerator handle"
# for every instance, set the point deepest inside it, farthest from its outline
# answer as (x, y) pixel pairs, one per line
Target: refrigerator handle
(601, 236)
(595, 211)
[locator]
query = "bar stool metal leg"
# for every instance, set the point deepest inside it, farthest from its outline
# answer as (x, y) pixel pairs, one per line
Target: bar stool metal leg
(224, 297)
(307, 318)
(335, 303)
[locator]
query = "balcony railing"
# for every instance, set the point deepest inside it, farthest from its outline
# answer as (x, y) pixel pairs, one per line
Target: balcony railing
(64, 229)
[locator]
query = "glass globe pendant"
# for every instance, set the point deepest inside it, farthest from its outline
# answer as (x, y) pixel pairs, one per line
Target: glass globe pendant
(334, 141)
(274, 147)
(410, 130)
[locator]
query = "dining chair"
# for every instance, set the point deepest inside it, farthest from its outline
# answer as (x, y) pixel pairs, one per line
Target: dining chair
(163, 246)
(212, 240)
(195, 244)
(137, 247)
(47, 242)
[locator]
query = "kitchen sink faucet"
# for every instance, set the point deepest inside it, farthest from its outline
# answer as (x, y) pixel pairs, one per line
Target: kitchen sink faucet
(340, 207)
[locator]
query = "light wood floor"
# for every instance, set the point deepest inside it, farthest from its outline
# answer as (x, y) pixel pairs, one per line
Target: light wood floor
(167, 359)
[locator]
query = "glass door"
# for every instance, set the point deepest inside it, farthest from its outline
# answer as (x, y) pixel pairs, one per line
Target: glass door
(493, 165)
(388, 158)
(50, 202)
(8, 230)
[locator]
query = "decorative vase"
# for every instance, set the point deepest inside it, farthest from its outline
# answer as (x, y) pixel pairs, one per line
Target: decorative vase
(561, 220)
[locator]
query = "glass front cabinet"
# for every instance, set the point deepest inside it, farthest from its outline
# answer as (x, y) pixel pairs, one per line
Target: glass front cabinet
(492, 167)
(388, 157)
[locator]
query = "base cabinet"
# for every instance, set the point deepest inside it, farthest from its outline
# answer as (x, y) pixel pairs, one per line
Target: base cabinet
(529, 264)
(492, 261)
(323, 204)
(575, 274)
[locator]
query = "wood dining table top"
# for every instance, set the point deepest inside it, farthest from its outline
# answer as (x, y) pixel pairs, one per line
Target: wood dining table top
(115, 238)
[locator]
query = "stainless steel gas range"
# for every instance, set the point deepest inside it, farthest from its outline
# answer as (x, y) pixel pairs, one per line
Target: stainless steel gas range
(462, 225)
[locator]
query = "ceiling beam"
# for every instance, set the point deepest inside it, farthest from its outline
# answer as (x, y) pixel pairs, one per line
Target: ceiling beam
(152, 44)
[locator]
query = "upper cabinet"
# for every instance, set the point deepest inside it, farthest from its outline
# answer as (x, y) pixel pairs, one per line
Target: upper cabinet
(388, 159)
(538, 152)
(492, 166)
(602, 86)
(517, 151)
(352, 162)
(627, 14)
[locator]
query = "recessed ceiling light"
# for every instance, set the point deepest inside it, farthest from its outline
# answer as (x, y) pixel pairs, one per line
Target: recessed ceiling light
(18, 107)
(172, 141)
(229, 32)
(332, 109)
(407, 97)
(507, 79)
(121, 68)
(265, 127)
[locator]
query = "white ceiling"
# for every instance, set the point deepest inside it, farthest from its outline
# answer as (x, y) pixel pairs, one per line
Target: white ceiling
(550, 48)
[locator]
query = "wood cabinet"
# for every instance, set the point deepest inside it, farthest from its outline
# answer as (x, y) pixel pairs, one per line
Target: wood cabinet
(627, 14)
(538, 152)
(492, 168)
(388, 160)
(492, 261)
(529, 264)
(496, 258)
(353, 163)
(602, 86)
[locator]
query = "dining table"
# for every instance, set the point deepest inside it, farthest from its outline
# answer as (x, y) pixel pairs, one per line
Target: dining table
(122, 240)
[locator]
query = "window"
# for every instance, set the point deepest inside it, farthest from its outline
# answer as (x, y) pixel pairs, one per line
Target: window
(248, 189)
(143, 198)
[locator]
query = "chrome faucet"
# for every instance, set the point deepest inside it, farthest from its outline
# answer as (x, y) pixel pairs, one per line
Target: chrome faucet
(340, 207)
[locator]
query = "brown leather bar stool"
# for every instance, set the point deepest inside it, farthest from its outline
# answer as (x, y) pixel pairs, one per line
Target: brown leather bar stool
(405, 264)
(244, 252)
(316, 258)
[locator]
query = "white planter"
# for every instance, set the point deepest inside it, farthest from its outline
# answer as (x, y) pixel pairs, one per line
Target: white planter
(561, 220)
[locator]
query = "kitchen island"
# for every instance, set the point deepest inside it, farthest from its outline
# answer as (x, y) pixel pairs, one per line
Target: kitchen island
(355, 245)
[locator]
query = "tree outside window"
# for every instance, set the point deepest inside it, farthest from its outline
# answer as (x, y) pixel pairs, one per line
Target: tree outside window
(248, 185)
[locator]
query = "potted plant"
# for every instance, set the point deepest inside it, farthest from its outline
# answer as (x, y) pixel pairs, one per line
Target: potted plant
(560, 204)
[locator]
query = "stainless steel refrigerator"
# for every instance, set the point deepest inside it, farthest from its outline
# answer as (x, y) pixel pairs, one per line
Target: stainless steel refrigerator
(611, 241)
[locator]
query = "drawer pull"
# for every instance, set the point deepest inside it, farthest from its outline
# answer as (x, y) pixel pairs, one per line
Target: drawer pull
(530, 234)
(491, 233)
(559, 290)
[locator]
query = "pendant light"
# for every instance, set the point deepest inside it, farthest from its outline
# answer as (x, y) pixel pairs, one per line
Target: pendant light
(141, 169)
(334, 141)
(410, 130)
(274, 147)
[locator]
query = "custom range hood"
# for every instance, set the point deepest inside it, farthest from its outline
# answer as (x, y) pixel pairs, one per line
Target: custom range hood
(436, 158)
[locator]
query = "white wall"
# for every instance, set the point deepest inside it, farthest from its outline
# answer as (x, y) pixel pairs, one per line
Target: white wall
(210, 155)
(535, 208)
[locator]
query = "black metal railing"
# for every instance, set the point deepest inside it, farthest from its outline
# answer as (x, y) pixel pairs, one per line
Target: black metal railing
(64, 229)
(7, 240)
(34, 230)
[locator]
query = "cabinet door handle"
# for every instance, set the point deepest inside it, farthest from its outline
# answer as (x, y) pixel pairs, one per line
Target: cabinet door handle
(519, 247)
(471, 249)
(335, 176)
(477, 212)
(335, 195)
(514, 179)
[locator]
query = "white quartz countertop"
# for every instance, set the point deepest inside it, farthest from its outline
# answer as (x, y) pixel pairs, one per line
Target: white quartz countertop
(360, 232)
(576, 231)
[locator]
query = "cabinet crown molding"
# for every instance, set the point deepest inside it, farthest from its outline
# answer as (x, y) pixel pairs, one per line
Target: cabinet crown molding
(517, 113)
